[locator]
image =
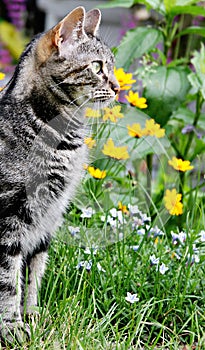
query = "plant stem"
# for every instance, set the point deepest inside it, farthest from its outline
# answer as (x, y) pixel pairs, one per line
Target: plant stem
(149, 159)
(199, 102)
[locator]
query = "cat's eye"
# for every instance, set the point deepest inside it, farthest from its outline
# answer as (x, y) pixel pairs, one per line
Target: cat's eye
(96, 67)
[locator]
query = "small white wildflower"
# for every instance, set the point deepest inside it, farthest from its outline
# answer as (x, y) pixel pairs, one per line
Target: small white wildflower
(112, 221)
(141, 232)
(154, 260)
(131, 298)
(156, 231)
(136, 222)
(103, 218)
(133, 209)
(134, 247)
(175, 237)
(90, 251)
(196, 258)
(99, 267)
(87, 212)
(182, 237)
(86, 264)
(144, 217)
(113, 212)
(163, 268)
(73, 230)
(202, 236)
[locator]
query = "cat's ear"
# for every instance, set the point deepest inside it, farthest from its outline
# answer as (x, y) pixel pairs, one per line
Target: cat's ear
(92, 21)
(71, 28)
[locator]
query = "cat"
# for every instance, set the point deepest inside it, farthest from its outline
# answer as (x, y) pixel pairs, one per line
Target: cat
(42, 150)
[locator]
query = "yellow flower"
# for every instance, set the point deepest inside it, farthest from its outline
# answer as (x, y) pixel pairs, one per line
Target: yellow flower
(112, 113)
(90, 142)
(124, 79)
(92, 113)
(179, 164)
(2, 76)
(135, 130)
(134, 99)
(173, 202)
(123, 208)
(96, 173)
(111, 150)
(153, 129)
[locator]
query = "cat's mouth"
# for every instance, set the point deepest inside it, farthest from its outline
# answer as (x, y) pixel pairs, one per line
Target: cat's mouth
(104, 96)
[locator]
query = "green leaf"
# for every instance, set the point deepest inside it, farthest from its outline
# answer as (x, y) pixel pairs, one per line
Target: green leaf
(184, 114)
(169, 4)
(197, 79)
(166, 89)
(136, 43)
(117, 3)
(189, 10)
(156, 5)
(199, 148)
(185, 2)
(192, 30)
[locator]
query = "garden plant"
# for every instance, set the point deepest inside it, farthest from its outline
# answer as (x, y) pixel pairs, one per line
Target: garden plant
(126, 270)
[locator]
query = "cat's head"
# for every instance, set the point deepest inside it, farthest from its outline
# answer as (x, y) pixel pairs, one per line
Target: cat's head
(79, 65)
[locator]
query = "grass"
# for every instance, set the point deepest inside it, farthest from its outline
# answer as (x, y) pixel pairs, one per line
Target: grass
(85, 307)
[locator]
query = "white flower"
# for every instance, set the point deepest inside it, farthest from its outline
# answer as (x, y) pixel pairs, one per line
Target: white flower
(141, 232)
(154, 260)
(113, 212)
(202, 236)
(73, 230)
(87, 212)
(133, 209)
(134, 247)
(156, 231)
(86, 264)
(145, 218)
(131, 298)
(182, 236)
(163, 268)
(99, 267)
(90, 251)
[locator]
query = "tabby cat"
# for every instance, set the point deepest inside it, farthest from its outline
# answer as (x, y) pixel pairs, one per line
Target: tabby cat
(42, 149)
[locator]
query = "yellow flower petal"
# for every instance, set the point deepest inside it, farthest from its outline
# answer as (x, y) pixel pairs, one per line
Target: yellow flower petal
(124, 79)
(90, 142)
(173, 202)
(2, 76)
(134, 99)
(92, 113)
(135, 130)
(122, 207)
(179, 164)
(153, 129)
(96, 173)
(111, 150)
(112, 113)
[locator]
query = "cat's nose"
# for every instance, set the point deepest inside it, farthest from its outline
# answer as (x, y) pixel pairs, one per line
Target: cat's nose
(115, 87)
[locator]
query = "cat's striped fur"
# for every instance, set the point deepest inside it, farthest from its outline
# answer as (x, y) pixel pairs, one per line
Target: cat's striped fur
(42, 149)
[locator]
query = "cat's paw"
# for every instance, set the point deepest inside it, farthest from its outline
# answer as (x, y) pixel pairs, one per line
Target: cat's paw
(14, 332)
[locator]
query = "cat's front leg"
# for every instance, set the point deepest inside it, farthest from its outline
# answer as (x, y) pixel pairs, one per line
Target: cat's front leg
(36, 267)
(11, 325)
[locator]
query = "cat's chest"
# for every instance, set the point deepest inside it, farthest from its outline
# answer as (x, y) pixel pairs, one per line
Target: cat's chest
(52, 184)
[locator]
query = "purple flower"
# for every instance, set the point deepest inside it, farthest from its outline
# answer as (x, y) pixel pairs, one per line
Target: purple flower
(187, 129)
